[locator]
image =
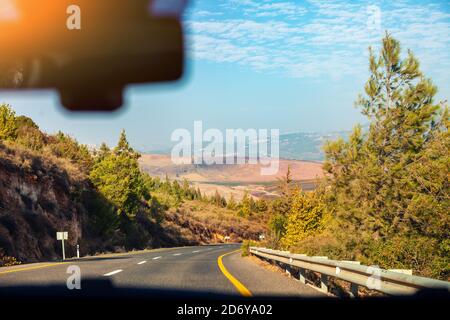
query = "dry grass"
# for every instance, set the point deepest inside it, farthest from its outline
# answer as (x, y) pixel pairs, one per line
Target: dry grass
(210, 213)
(29, 160)
(212, 223)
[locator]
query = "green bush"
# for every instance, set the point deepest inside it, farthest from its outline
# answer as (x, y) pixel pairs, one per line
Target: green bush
(103, 219)
(30, 138)
(64, 146)
(245, 247)
(8, 126)
(6, 261)
(306, 218)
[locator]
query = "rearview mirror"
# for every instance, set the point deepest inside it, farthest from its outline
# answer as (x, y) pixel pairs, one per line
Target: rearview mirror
(89, 50)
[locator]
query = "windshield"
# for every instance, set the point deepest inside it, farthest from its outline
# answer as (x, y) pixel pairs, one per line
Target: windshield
(257, 143)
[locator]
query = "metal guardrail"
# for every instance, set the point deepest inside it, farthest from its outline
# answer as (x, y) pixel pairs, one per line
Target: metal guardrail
(371, 277)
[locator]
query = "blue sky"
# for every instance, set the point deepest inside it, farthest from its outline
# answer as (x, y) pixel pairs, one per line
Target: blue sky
(288, 65)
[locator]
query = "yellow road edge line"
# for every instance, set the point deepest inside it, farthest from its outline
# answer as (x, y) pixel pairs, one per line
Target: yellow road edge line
(239, 286)
(34, 267)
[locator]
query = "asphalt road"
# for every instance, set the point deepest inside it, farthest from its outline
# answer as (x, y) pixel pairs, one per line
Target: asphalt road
(192, 269)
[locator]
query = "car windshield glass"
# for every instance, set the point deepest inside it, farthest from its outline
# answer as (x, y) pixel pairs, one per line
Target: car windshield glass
(229, 148)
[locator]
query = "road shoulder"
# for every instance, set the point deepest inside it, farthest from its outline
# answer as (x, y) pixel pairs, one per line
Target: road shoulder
(263, 282)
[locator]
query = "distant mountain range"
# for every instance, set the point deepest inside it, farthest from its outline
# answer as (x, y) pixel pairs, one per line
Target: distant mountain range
(306, 145)
(295, 146)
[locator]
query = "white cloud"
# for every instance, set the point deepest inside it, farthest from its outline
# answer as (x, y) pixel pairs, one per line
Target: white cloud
(205, 13)
(286, 9)
(318, 38)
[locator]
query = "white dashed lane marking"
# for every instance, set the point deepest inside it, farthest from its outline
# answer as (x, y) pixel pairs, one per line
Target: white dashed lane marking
(156, 258)
(142, 262)
(112, 273)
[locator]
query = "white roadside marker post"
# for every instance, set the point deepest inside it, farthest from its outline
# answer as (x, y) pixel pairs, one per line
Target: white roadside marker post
(62, 235)
(78, 251)
(64, 254)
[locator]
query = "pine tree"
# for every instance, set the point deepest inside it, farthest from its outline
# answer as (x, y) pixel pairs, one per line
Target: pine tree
(280, 207)
(232, 205)
(119, 180)
(399, 103)
(389, 187)
(199, 194)
(245, 207)
(103, 151)
(218, 200)
(284, 183)
(187, 192)
(123, 146)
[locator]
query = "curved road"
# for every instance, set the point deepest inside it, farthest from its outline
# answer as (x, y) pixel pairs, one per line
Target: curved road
(190, 269)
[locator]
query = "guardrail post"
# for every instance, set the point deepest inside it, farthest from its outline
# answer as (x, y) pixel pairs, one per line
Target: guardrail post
(302, 275)
(354, 290)
(324, 283)
(288, 271)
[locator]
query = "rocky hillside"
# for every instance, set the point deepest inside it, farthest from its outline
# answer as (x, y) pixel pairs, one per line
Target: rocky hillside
(37, 198)
(51, 182)
(40, 195)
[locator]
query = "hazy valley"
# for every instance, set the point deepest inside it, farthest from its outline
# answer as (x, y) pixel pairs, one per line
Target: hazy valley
(233, 179)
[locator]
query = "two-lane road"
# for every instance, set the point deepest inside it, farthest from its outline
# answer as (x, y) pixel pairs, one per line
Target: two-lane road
(211, 269)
